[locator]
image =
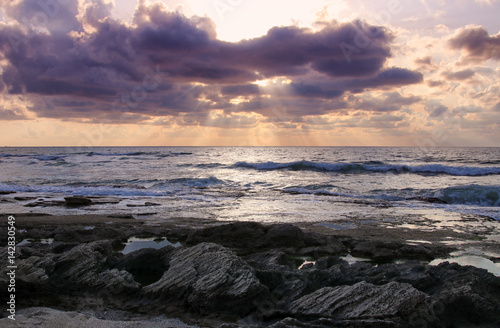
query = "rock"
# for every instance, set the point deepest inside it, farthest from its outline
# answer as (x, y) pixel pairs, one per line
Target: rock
(243, 235)
(270, 260)
(249, 237)
(3, 192)
(390, 251)
(147, 265)
(285, 235)
(390, 302)
(46, 203)
(121, 216)
(80, 270)
(143, 205)
(459, 294)
(77, 201)
(24, 198)
(209, 278)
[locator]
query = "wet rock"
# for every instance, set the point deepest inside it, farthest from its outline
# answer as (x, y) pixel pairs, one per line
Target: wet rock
(391, 302)
(24, 198)
(143, 205)
(46, 203)
(77, 201)
(209, 278)
(121, 216)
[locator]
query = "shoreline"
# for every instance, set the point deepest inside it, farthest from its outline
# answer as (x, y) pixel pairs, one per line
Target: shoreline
(478, 232)
(304, 250)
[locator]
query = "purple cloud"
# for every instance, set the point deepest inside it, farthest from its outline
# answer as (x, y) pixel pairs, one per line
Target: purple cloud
(165, 64)
(479, 45)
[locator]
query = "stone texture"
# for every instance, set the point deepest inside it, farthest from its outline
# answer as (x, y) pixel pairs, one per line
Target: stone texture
(209, 277)
(360, 301)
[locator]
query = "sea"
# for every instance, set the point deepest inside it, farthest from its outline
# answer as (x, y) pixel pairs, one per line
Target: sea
(264, 184)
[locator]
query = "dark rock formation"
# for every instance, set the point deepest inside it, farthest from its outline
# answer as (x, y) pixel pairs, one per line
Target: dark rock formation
(77, 201)
(208, 278)
(391, 303)
(249, 276)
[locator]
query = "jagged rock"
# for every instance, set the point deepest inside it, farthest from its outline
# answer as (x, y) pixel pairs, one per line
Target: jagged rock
(460, 294)
(81, 269)
(270, 260)
(77, 201)
(208, 278)
(391, 302)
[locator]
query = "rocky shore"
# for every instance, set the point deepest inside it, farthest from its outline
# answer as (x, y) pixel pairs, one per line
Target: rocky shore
(75, 270)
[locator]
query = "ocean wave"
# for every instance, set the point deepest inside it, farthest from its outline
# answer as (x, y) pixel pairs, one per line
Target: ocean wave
(51, 158)
(140, 153)
(370, 167)
(16, 155)
(89, 190)
(470, 195)
(136, 153)
(190, 182)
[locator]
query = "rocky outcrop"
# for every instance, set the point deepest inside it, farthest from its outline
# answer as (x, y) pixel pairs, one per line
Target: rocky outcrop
(77, 271)
(208, 278)
(253, 282)
(251, 237)
(77, 201)
(392, 302)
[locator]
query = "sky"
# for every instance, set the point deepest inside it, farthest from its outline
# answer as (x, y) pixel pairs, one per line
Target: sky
(250, 73)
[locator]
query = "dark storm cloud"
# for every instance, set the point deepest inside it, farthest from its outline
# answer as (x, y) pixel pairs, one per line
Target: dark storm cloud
(240, 90)
(315, 91)
(390, 77)
(479, 45)
(11, 115)
(90, 65)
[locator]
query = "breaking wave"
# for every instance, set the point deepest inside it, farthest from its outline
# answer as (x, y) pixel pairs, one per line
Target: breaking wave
(372, 167)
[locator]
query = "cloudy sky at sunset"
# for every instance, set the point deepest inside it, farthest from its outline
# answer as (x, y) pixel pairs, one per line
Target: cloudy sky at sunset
(250, 72)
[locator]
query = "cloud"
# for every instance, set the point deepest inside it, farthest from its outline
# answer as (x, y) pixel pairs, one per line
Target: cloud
(387, 102)
(424, 61)
(459, 76)
(435, 109)
(435, 83)
(84, 65)
(478, 45)
(240, 90)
